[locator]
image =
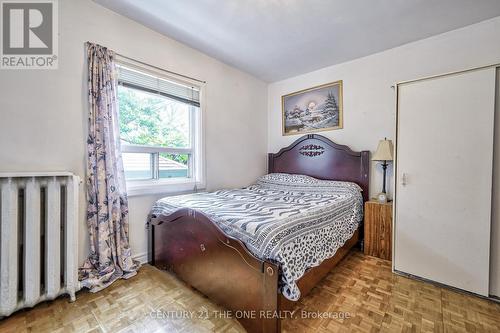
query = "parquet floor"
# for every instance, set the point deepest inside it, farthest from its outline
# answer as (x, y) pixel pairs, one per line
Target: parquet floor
(361, 287)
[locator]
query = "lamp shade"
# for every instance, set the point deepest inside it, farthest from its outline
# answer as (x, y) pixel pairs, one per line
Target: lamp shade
(384, 151)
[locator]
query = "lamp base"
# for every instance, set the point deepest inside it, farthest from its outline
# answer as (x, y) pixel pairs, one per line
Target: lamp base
(382, 197)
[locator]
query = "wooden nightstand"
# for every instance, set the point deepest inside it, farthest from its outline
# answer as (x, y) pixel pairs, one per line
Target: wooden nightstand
(378, 229)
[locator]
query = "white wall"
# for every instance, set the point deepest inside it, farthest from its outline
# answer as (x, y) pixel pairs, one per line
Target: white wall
(369, 101)
(43, 113)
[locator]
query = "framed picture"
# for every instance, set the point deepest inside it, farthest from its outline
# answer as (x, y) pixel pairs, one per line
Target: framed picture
(313, 110)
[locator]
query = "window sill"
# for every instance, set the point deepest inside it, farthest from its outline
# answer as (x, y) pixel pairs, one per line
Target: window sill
(164, 186)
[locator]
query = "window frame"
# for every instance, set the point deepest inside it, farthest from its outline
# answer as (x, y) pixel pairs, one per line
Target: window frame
(196, 168)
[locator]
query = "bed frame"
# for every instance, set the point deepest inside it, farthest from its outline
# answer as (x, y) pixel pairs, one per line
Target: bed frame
(191, 246)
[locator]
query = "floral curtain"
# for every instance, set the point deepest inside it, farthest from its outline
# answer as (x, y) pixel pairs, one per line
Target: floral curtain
(107, 209)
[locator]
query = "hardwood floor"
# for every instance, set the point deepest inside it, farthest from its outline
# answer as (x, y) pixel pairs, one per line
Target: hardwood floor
(362, 287)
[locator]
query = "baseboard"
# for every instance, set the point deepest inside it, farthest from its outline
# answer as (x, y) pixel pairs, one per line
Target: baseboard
(141, 257)
(415, 277)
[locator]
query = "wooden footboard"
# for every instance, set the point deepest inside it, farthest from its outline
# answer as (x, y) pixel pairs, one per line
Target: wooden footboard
(190, 245)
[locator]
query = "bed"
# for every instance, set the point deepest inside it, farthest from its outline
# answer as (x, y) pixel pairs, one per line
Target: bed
(257, 250)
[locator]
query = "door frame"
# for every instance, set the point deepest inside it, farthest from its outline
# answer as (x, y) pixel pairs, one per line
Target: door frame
(395, 179)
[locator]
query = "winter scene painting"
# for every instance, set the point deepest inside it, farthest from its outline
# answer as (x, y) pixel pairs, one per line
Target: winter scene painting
(312, 110)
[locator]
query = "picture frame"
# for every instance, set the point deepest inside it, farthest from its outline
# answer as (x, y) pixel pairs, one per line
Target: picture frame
(311, 110)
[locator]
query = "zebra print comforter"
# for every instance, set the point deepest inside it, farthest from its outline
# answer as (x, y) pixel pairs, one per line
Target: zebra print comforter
(295, 221)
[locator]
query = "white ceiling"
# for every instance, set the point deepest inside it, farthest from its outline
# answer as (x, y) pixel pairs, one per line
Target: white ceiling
(277, 39)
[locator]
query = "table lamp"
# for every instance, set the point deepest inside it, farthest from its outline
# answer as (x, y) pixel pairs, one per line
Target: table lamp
(383, 154)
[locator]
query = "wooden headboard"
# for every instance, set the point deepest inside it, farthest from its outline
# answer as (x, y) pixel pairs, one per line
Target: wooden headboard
(319, 157)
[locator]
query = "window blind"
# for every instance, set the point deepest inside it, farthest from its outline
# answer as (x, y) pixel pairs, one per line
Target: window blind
(139, 80)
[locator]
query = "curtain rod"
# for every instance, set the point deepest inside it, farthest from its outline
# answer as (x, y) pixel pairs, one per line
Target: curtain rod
(155, 67)
(159, 68)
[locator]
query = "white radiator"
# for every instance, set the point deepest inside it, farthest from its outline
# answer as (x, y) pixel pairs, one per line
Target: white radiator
(38, 238)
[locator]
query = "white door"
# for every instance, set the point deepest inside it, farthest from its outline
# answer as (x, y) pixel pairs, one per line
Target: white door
(444, 179)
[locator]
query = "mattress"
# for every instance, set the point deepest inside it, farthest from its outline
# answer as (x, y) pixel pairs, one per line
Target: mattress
(294, 221)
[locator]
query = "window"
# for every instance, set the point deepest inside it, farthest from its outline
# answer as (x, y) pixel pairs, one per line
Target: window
(159, 131)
